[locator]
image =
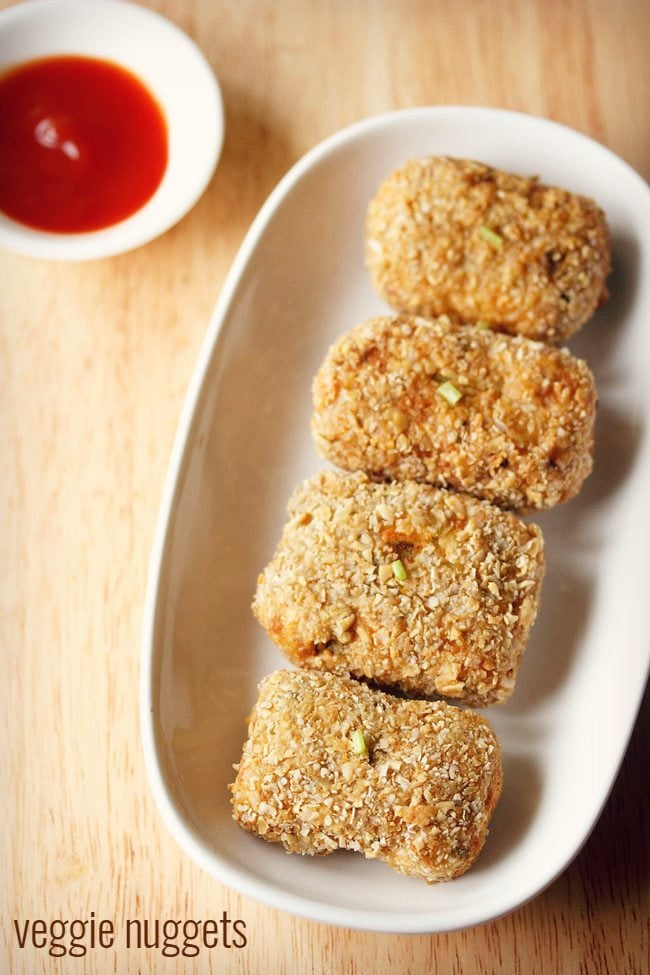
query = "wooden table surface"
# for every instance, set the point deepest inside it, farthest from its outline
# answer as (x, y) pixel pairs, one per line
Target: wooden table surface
(95, 361)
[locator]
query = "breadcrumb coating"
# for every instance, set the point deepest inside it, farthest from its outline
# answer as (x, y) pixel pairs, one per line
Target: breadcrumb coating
(419, 797)
(451, 236)
(403, 584)
(520, 436)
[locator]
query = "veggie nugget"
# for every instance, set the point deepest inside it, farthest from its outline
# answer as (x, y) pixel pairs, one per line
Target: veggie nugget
(331, 764)
(497, 416)
(404, 584)
(449, 236)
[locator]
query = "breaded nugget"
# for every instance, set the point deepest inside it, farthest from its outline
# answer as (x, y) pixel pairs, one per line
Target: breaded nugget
(520, 435)
(331, 764)
(449, 236)
(404, 584)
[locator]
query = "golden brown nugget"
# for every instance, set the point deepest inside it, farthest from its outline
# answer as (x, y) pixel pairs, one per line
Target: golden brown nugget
(404, 584)
(497, 416)
(331, 764)
(449, 236)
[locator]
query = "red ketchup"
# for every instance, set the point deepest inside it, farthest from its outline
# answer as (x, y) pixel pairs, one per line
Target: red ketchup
(83, 144)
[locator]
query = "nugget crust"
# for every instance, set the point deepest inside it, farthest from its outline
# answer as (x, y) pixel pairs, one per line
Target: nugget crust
(420, 800)
(520, 437)
(456, 625)
(428, 251)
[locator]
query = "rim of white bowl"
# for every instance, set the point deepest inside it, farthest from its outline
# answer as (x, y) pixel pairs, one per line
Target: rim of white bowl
(420, 922)
(151, 220)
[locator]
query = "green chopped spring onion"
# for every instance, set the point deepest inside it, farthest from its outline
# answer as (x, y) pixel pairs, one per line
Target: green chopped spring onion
(491, 236)
(482, 324)
(449, 392)
(359, 743)
(398, 570)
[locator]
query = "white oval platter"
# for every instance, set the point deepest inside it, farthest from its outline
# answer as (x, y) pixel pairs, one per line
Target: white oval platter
(243, 443)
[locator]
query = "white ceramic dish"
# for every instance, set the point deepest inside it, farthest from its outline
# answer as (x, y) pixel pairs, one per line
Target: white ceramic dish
(175, 72)
(243, 443)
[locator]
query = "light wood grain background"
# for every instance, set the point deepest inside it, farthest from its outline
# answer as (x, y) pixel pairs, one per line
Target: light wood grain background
(94, 363)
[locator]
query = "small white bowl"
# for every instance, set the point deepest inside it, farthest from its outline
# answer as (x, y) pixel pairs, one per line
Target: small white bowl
(176, 73)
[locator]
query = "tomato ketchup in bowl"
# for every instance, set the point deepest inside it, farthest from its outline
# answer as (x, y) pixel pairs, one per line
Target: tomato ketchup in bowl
(84, 144)
(111, 124)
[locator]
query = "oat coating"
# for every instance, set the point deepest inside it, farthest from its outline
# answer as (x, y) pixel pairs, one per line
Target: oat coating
(521, 435)
(420, 798)
(455, 625)
(450, 236)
